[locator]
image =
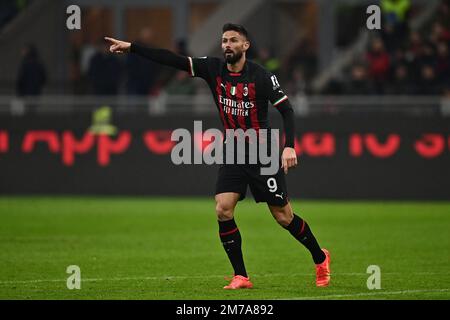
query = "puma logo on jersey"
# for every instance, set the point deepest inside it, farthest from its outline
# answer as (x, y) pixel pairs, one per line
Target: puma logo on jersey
(279, 195)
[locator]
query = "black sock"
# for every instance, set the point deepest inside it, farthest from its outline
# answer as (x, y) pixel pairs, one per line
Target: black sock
(231, 240)
(300, 230)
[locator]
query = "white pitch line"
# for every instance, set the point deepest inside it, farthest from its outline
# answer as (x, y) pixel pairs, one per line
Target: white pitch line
(6, 282)
(381, 293)
(143, 278)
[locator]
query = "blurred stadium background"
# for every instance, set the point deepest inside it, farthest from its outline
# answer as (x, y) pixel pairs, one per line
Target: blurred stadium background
(373, 123)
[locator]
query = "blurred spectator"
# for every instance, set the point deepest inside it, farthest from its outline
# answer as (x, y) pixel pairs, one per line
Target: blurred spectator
(173, 80)
(439, 33)
(104, 71)
(359, 83)
(142, 74)
(390, 37)
(378, 60)
(414, 50)
(182, 84)
(32, 75)
(297, 84)
(429, 84)
(399, 58)
(401, 83)
(444, 13)
(395, 14)
(335, 87)
(424, 57)
(395, 11)
(415, 43)
(427, 56)
(303, 55)
(267, 60)
(443, 63)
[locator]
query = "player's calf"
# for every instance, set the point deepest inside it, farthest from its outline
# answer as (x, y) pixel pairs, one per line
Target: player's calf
(301, 231)
(283, 215)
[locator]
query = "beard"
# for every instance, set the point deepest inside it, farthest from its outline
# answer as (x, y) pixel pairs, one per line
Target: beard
(233, 57)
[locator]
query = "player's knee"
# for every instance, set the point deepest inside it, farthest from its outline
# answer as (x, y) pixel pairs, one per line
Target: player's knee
(224, 211)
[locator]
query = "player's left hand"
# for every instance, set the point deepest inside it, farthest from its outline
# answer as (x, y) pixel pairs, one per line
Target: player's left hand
(288, 159)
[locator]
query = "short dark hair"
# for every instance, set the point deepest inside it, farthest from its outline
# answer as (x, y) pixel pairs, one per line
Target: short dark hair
(235, 27)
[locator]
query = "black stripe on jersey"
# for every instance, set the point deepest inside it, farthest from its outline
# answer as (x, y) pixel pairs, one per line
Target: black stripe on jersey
(219, 93)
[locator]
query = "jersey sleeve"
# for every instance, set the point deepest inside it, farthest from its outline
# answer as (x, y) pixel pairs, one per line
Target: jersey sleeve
(202, 67)
(161, 56)
(280, 101)
(275, 94)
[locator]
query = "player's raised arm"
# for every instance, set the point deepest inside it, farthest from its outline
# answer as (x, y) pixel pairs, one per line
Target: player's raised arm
(161, 56)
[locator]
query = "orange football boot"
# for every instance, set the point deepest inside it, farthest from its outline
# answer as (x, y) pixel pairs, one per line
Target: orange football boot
(239, 282)
(323, 271)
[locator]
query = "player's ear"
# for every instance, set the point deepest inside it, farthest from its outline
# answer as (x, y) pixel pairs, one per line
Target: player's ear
(246, 45)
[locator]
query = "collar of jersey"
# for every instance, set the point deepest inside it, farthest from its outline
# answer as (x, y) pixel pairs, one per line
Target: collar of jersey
(237, 74)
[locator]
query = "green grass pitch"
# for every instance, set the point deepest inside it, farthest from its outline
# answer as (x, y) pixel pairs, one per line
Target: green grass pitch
(168, 248)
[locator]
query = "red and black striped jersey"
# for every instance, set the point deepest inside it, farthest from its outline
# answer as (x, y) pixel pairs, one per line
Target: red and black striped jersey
(241, 98)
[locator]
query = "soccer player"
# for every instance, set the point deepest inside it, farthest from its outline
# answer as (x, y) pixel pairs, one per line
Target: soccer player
(236, 82)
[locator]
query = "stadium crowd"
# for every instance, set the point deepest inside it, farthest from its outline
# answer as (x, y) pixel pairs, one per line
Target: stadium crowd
(398, 60)
(402, 61)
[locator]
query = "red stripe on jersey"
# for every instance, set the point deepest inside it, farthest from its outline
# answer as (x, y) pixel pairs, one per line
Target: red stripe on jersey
(239, 96)
(229, 115)
(254, 110)
(219, 93)
(234, 74)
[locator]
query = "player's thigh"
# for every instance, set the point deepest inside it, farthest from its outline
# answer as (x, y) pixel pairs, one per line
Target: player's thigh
(231, 178)
(268, 188)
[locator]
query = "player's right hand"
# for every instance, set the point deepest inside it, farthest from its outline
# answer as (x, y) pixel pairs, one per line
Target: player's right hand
(288, 159)
(118, 46)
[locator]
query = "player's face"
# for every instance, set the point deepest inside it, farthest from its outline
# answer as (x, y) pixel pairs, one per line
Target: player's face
(233, 46)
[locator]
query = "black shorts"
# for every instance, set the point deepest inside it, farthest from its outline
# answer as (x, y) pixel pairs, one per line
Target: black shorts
(265, 188)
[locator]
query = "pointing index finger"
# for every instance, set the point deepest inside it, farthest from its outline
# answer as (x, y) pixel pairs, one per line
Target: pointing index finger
(110, 39)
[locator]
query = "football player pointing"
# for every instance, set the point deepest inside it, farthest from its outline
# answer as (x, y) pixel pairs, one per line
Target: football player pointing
(236, 78)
